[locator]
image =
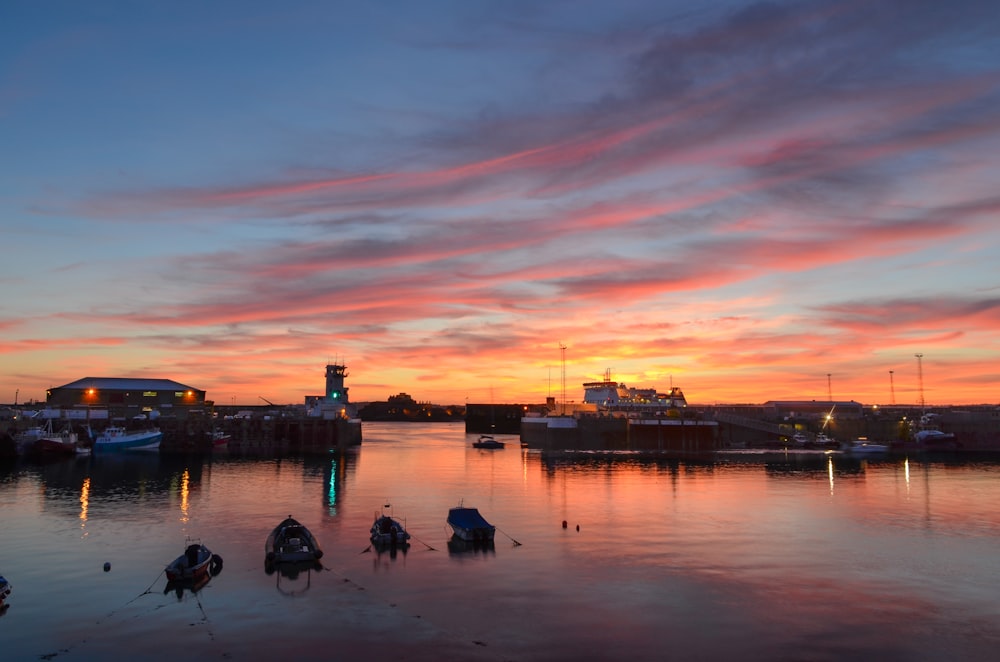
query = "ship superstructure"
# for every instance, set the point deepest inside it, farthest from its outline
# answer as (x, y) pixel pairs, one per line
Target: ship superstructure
(611, 395)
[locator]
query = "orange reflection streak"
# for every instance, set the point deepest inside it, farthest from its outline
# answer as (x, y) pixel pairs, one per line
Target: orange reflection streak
(84, 502)
(829, 471)
(185, 494)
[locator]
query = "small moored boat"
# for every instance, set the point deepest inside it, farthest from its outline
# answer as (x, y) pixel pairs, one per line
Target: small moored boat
(467, 524)
(487, 441)
(863, 448)
(194, 564)
(291, 542)
(387, 530)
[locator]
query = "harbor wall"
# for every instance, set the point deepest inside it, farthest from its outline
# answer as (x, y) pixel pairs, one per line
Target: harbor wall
(606, 433)
(493, 419)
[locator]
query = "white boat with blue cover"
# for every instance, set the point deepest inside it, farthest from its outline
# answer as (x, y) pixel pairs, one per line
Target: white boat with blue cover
(116, 438)
(469, 525)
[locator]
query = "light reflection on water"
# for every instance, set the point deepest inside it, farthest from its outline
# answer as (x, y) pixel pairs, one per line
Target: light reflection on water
(749, 556)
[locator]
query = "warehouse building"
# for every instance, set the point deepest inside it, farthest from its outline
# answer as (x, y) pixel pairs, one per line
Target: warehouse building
(117, 393)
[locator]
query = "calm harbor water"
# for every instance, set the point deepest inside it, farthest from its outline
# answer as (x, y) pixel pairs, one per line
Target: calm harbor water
(752, 556)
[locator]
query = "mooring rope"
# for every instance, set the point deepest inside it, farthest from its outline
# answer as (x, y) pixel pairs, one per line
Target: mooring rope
(422, 543)
(146, 592)
(516, 543)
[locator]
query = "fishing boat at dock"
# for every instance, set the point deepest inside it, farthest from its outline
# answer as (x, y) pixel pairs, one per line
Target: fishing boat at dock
(25, 439)
(54, 444)
(220, 439)
(117, 438)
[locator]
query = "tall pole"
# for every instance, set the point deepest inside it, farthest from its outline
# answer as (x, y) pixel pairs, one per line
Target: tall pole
(920, 379)
(892, 390)
(562, 349)
(829, 388)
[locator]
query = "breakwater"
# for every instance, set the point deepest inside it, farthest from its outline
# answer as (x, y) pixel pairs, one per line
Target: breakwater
(596, 432)
(286, 434)
(194, 433)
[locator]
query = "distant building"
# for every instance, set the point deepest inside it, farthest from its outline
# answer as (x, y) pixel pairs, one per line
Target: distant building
(117, 392)
(815, 409)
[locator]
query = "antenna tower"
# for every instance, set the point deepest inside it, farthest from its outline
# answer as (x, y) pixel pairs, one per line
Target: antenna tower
(562, 349)
(829, 388)
(920, 379)
(892, 390)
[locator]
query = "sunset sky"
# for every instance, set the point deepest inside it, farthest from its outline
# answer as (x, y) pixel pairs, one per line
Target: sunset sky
(751, 201)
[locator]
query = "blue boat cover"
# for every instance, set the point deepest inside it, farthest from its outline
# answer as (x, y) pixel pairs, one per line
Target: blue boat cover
(467, 518)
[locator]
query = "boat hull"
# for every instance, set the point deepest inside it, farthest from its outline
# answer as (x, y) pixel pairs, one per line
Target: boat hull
(118, 441)
(194, 564)
(290, 542)
(864, 448)
(50, 447)
(468, 525)
(486, 441)
(389, 531)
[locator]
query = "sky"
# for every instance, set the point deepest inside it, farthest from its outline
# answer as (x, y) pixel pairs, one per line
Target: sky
(483, 202)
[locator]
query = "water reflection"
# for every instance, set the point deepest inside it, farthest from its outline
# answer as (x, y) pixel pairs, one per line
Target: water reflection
(192, 586)
(384, 555)
(458, 547)
(785, 555)
(334, 470)
(84, 503)
(185, 488)
(79, 486)
(293, 578)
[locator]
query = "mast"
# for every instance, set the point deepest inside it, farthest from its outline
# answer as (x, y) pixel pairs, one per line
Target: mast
(562, 349)
(920, 380)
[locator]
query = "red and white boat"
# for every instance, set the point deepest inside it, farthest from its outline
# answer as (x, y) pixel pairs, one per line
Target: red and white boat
(195, 563)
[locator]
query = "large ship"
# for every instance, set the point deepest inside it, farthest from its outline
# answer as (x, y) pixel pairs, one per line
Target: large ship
(610, 395)
(614, 416)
